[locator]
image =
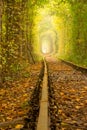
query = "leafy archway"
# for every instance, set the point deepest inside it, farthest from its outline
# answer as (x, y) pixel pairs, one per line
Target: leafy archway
(22, 22)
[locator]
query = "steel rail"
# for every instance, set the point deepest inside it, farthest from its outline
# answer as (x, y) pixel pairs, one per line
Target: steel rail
(43, 119)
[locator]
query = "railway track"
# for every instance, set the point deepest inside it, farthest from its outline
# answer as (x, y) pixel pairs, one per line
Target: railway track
(67, 96)
(59, 100)
(40, 116)
(43, 120)
(63, 95)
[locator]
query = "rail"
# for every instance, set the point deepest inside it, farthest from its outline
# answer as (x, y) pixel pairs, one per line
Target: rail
(43, 120)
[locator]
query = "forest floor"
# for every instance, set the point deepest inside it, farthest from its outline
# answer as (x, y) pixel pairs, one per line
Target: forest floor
(14, 97)
(70, 95)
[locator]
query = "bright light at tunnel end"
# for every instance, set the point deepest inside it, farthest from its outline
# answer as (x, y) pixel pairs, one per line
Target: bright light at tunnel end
(47, 33)
(44, 50)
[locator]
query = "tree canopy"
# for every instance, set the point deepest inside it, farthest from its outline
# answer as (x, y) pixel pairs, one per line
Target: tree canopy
(24, 22)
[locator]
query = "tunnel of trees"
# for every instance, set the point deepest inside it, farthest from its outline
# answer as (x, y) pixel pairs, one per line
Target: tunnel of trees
(25, 26)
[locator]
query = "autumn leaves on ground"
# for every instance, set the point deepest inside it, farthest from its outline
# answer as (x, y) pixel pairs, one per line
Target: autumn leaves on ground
(14, 96)
(68, 111)
(69, 97)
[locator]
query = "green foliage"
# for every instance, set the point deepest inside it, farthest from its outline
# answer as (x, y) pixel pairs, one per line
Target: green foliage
(25, 104)
(26, 74)
(16, 67)
(19, 32)
(8, 78)
(15, 47)
(73, 46)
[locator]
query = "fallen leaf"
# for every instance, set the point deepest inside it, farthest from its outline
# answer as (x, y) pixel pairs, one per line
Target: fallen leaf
(18, 126)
